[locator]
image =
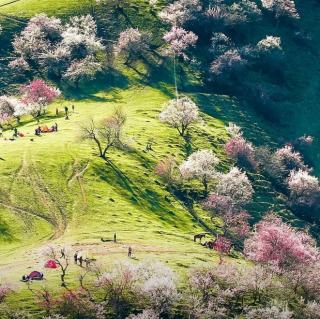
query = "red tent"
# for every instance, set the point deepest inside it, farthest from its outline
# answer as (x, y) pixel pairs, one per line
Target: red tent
(35, 275)
(51, 264)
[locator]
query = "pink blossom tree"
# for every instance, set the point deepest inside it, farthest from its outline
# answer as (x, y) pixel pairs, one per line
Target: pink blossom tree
(278, 243)
(178, 41)
(222, 245)
(229, 61)
(38, 95)
(241, 150)
(220, 204)
(237, 223)
(166, 168)
(132, 43)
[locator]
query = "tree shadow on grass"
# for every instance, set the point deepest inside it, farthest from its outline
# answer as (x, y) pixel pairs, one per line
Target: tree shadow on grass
(147, 199)
(107, 81)
(5, 232)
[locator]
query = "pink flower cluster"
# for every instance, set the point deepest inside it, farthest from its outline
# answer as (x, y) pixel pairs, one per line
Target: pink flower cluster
(179, 41)
(38, 92)
(276, 242)
(237, 147)
(238, 223)
(222, 245)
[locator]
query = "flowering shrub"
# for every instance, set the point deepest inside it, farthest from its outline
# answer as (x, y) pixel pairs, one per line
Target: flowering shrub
(10, 107)
(165, 169)
(222, 245)
(48, 44)
(269, 43)
(5, 290)
(238, 224)
(271, 164)
(241, 150)
(234, 130)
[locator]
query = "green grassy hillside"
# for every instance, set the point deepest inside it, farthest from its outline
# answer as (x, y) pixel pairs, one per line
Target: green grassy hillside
(55, 190)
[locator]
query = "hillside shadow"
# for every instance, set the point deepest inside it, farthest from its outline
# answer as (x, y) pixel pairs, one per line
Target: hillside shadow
(5, 232)
(146, 198)
(108, 82)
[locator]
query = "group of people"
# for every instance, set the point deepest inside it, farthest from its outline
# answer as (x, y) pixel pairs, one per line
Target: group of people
(79, 257)
(46, 129)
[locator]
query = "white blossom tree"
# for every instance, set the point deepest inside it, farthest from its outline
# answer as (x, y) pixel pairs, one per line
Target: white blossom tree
(281, 8)
(304, 188)
(146, 314)
(11, 107)
(290, 158)
(48, 44)
(269, 43)
(180, 113)
(236, 185)
(233, 13)
(200, 165)
(180, 11)
(81, 70)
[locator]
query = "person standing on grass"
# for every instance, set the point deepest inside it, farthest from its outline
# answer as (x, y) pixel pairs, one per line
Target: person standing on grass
(72, 107)
(115, 237)
(129, 252)
(80, 261)
(66, 111)
(75, 257)
(57, 112)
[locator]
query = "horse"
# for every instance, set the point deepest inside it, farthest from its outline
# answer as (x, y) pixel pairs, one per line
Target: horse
(209, 244)
(199, 236)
